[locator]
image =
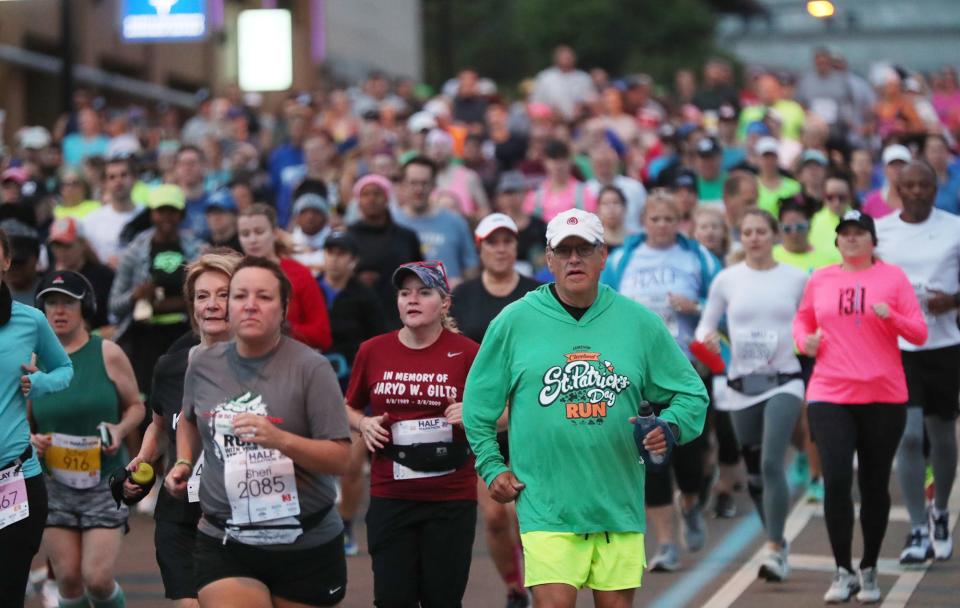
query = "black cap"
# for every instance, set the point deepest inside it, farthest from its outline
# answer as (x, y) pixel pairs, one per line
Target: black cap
(858, 218)
(685, 178)
(66, 282)
(708, 146)
(342, 240)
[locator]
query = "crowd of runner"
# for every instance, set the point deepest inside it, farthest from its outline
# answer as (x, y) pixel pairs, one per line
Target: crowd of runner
(370, 290)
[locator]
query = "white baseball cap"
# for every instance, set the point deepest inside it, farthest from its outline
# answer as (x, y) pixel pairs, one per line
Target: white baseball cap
(896, 152)
(421, 121)
(574, 222)
(767, 145)
(492, 223)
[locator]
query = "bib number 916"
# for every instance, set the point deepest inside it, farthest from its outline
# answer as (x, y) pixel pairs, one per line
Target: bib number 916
(252, 488)
(74, 460)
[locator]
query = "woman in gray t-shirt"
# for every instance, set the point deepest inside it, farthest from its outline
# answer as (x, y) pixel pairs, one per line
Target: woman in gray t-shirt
(269, 413)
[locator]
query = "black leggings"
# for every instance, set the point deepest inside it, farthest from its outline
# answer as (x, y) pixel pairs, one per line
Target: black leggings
(872, 431)
(728, 448)
(421, 551)
(20, 542)
(687, 466)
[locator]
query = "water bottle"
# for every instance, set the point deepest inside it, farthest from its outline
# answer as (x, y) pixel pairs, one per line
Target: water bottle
(646, 422)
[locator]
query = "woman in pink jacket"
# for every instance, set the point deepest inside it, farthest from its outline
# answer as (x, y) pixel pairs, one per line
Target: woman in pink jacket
(849, 319)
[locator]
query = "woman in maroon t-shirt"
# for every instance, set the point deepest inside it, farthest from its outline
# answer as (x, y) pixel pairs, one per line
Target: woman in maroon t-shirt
(423, 487)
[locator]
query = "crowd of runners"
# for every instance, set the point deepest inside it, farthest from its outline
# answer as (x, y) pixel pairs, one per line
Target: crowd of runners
(596, 308)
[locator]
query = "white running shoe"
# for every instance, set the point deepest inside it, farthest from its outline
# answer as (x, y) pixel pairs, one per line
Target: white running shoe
(666, 559)
(940, 531)
(50, 594)
(774, 567)
(843, 587)
(869, 589)
(917, 549)
(694, 529)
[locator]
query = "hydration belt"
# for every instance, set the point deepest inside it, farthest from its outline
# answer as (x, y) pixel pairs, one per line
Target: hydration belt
(757, 384)
(428, 457)
(19, 460)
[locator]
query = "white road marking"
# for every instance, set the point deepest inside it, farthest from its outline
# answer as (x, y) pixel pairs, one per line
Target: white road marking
(907, 579)
(747, 574)
(824, 563)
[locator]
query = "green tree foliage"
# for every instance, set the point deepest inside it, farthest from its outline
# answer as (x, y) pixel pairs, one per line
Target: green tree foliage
(509, 40)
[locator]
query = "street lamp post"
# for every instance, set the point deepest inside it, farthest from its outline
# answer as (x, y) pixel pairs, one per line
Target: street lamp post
(66, 56)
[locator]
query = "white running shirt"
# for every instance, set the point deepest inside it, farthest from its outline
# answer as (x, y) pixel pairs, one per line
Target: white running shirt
(759, 306)
(929, 252)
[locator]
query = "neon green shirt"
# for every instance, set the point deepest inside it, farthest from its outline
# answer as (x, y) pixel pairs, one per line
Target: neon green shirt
(790, 111)
(140, 193)
(769, 200)
(78, 211)
(823, 231)
(808, 261)
(572, 386)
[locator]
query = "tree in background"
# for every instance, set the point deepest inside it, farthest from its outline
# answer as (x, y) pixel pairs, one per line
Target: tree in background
(509, 40)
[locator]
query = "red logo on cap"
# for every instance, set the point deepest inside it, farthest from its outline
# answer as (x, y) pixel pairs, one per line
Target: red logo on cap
(572, 221)
(58, 280)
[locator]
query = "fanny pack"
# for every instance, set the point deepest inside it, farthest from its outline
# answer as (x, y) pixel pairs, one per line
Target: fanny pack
(19, 460)
(757, 384)
(428, 457)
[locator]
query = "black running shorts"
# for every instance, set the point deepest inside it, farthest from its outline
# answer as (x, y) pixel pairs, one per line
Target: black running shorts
(316, 576)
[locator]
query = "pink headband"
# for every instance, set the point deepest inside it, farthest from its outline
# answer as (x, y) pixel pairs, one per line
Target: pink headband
(377, 180)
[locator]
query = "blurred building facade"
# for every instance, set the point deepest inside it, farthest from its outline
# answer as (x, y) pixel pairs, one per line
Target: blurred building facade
(331, 38)
(921, 34)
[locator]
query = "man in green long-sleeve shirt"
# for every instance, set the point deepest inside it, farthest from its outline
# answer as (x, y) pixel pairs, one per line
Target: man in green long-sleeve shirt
(574, 359)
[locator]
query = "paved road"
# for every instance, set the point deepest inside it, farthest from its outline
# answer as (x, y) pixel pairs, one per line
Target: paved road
(721, 575)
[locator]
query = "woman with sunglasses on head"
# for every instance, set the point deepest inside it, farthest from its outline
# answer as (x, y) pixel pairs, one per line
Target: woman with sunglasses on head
(268, 412)
(24, 332)
(307, 315)
(205, 291)
(423, 498)
(670, 274)
(79, 433)
(763, 389)
(849, 319)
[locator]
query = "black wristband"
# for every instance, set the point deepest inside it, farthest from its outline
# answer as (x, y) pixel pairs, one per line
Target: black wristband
(675, 429)
(956, 300)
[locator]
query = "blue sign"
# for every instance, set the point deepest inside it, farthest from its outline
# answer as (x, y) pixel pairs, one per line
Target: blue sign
(163, 20)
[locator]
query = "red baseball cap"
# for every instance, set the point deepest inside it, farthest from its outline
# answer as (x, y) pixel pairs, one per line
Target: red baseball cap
(64, 230)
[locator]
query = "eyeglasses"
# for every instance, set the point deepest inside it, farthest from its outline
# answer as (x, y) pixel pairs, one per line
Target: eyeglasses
(565, 251)
(835, 197)
(800, 228)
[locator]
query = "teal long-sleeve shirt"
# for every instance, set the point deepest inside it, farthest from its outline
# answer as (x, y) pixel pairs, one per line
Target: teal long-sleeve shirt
(572, 387)
(25, 333)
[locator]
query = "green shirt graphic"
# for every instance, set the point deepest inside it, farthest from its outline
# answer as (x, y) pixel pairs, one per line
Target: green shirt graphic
(572, 386)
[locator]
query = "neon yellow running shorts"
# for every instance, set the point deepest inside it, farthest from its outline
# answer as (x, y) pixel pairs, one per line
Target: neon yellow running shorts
(601, 561)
